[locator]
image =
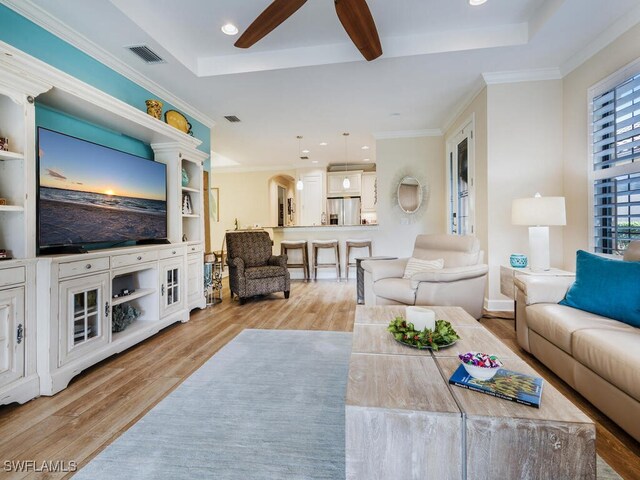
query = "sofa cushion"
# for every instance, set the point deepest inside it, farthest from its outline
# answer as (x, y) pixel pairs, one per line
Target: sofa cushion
(614, 354)
(416, 265)
(254, 273)
(606, 287)
(558, 323)
(397, 289)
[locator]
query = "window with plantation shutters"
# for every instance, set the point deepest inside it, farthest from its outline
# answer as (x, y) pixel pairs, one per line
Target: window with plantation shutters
(616, 165)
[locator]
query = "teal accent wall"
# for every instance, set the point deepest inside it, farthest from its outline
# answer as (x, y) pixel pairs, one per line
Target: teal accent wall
(38, 42)
(60, 122)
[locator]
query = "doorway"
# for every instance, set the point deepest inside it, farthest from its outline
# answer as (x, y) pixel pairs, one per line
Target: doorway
(282, 200)
(460, 181)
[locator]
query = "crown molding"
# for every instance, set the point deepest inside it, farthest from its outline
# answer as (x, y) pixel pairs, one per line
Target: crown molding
(40, 17)
(464, 103)
(427, 132)
(610, 34)
(516, 76)
(77, 98)
(255, 168)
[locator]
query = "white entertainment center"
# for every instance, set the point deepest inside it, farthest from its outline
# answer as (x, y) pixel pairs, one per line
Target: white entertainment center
(56, 311)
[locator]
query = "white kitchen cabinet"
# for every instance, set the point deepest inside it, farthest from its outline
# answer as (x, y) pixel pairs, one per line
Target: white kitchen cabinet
(369, 193)
(335, 186)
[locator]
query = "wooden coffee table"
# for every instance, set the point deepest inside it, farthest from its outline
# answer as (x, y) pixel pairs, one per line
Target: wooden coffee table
(404, 420)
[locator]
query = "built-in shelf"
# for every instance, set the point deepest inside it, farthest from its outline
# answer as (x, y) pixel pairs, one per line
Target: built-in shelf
(191, 215)
(139, 293)
(11, 208)
(189, 189)
(4, 155)
(132, 329)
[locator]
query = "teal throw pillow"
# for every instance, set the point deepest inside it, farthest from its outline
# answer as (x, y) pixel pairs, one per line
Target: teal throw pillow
(606, 287)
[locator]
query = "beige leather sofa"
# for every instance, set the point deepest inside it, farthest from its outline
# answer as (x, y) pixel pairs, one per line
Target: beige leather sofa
(599, 357)
(461, 282)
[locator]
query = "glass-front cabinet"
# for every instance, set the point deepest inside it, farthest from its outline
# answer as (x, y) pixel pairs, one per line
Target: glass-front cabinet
(11, 335)
(171, 287)
(84, 315)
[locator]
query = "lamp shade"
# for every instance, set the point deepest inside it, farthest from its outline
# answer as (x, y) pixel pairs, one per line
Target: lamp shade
(538, 210)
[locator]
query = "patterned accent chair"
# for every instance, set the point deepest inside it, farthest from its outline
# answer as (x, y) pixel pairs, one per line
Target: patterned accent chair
(253, 269)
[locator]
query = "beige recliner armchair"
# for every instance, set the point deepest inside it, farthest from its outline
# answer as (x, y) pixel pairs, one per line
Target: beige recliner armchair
(460, 283)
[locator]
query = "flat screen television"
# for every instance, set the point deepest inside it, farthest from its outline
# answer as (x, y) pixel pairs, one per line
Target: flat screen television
(90, 194)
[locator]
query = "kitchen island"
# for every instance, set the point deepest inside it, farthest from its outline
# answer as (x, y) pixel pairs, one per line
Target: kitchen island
(342, 233)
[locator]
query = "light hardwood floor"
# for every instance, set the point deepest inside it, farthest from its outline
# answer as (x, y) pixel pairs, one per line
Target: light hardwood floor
(104, 401)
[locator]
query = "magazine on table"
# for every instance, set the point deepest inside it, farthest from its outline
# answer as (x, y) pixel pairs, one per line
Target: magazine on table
(506, 384)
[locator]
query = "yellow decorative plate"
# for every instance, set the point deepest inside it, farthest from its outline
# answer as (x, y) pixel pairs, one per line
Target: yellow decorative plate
(177, 120)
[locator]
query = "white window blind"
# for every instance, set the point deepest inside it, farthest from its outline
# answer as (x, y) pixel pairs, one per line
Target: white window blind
(616, 166)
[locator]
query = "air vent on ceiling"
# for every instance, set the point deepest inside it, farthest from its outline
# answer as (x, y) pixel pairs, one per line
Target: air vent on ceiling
(232, 118)
(146, 54)
(304, 158)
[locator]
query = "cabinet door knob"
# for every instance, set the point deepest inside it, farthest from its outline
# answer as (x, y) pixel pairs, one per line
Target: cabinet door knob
(173, 253)
(106, 309)
(88, 266)
(20, 334)
(139, 257)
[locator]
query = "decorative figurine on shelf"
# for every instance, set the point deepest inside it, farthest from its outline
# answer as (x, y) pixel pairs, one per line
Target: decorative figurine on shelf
(154, 108)
(186, 204)
(236, 224)
(184, 237)
(3, 201)
(4, 144)
(185, 178)
(323, 219)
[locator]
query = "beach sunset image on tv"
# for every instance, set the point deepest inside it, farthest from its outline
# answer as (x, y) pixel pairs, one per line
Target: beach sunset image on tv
(89, 193)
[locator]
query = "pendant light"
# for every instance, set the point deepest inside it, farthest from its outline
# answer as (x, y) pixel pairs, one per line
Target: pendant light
(299, 183)
(346, 183)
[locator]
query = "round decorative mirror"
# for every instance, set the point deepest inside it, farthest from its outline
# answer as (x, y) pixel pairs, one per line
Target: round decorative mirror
(409, 195)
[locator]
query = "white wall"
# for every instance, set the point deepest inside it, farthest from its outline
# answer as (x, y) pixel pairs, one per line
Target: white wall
(524, 140)
(518, 146)
(423, 158)
(615, 56)
(245, 196)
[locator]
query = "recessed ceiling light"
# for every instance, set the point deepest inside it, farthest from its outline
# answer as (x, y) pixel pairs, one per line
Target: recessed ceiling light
(231, 29)
(314, 161)
(366, 159)
(323, 144)
(366, 147)
(306, 151)
(475, 3)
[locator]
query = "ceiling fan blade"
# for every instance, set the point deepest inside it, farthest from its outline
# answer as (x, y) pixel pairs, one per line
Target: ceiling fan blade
(357, 20)
(267, 21)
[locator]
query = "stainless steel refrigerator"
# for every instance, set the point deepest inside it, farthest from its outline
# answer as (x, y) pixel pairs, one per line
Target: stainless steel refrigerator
(344, 211)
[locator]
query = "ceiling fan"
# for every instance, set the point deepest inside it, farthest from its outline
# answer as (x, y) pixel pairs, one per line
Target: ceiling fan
(354, 15)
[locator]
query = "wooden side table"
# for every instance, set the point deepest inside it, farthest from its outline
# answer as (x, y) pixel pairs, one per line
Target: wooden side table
(509, 273)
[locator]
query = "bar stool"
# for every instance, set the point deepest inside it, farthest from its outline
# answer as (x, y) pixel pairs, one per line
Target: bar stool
(287, 245)
(316, 245)
(355, 244)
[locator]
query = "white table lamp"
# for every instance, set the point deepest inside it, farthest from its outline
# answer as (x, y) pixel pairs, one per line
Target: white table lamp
(539, 213)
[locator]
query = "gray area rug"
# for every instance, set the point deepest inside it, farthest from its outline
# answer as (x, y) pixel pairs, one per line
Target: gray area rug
(267, 406)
